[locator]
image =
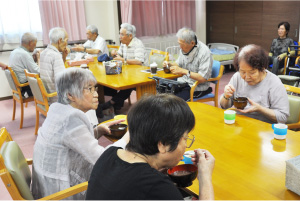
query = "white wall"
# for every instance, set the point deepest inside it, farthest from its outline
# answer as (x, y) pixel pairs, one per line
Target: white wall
(104, 15)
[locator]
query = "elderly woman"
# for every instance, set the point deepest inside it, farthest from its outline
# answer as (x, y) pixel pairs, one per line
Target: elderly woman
(265, 92)
(67, 148)
(279, 47)
(132, 173)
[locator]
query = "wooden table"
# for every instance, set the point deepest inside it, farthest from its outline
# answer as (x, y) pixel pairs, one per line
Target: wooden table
(250, 163)
(131, 77)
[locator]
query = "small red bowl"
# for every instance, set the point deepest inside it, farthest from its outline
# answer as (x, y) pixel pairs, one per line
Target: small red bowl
(183, 175)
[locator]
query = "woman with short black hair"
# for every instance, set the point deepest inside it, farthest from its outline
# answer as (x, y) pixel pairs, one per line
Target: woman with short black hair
(279, 47)
(159, 129)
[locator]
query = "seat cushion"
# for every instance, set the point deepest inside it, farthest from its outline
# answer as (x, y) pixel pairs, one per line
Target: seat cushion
(159, 59)
(17, 166)
(294, 102)
(210, 95)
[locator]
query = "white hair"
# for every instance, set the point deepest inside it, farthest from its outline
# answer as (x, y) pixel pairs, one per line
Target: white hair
(187, 35)
(130, 29)
(72, 81)
(27, 37)
(92, 28)
(57, 33)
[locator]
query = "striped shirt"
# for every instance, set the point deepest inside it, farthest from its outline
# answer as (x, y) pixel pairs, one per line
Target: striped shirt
(198, 61)
(135, 50)
(51, 63)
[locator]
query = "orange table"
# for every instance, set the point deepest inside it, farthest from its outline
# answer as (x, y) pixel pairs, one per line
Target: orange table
(131, 77)
(250, 163)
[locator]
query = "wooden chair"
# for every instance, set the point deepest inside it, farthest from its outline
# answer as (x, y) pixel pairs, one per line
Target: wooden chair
(40, 95)
(16, 175)
(293, 121)
(158, 57)
(112, 47)
(217, 73)
(16, 86)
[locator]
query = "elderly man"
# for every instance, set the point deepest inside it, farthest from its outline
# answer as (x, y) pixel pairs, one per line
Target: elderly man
(21, 59)
(194, 64)
(132, 51)
(52, 62)
(95, 44)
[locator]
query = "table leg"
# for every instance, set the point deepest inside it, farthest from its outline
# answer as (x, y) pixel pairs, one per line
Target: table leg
(100, 94)
(145, 89)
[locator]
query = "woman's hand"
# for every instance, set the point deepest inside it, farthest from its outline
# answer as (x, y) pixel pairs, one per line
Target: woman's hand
(205, 162)
(104, 128)
(255, 107)
(229, 90)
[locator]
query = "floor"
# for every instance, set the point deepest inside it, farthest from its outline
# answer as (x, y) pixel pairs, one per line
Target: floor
(25, 137)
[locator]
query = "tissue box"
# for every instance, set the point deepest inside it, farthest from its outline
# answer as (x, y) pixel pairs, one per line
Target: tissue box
(112, 68)
(292, 177)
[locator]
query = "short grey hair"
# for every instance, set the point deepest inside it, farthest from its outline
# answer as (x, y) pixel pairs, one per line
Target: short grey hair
(130, 29)
(72, 81)
(27, 37)
(187, 35)
(92, 28)
(57, 33)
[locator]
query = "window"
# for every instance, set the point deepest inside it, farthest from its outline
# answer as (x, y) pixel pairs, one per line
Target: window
(18, 17)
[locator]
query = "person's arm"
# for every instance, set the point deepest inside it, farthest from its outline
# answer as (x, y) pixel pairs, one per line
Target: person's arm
(255, 107)
(128, 61)
(30, 64)
(225, 100)
(3, 66)
(205, 162)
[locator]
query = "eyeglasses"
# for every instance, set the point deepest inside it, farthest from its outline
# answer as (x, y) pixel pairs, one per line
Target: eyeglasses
(92, 89)
(122, 35)
(189, 140)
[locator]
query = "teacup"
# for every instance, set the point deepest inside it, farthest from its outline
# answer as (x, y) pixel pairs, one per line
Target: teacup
(280, 131)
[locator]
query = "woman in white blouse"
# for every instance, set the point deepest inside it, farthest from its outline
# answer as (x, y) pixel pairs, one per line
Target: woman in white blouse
(67, 148)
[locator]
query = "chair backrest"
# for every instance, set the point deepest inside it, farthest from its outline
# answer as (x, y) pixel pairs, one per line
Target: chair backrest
(16, 164)
(38, 89)
(173, 52)
(294, 102)
(158, 57)
(215, 70)
(14, 170)
(10, 80)
(112, 47)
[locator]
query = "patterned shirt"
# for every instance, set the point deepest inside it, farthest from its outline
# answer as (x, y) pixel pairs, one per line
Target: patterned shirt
(98, 44)
(135, 50)
(21, 59)
(198, 61)
(280, 46)
(51, 63)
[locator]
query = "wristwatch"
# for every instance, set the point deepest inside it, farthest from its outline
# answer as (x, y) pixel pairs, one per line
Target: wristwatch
(188, 74)
(125, 61)
(84, 49)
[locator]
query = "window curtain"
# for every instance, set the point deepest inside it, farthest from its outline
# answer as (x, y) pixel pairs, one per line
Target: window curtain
(154, 18)
(18, 17)
(69, 15)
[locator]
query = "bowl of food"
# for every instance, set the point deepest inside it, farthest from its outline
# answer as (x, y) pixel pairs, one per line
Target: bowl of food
(167, 69)
(240, 102)
(118, 130)
(183, 175)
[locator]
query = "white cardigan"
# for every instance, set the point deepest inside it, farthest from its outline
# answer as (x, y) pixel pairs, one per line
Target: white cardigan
(65, 151)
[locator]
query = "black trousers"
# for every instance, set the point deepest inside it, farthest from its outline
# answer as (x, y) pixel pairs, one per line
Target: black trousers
(184, 92)
(26, 89)
(276, 64)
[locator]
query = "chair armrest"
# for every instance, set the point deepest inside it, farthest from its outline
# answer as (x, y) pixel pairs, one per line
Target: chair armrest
(24, 84)
(29, 161)
(193, 90)
(297, 59)
(67, 192)
(52, 94)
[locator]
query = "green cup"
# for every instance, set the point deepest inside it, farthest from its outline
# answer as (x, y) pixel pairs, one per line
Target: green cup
(229, 116)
